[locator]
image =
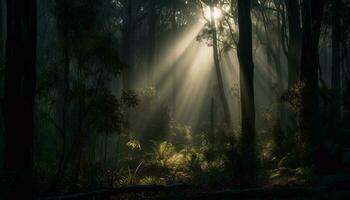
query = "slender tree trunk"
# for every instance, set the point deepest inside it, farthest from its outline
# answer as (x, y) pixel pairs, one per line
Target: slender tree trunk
(309, 111)
(63, 109)
(336, 31)
(152, 44)
(228, 119)
(106, 150)
(174, 74)
(81, 134)
(62, 6)
(20, 79)
(2, 45)
(245, 57)
(212, 121)
(126, 51)
(344, 67)
(294, 45)
(2, 67)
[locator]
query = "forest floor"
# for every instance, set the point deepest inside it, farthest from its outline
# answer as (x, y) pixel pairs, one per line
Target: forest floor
(284, 186)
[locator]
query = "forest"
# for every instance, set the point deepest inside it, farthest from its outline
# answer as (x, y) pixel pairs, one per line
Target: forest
(174, 99)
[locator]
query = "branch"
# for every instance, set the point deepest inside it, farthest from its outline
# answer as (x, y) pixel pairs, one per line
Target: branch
(231, 32)
(284, 35)
(260, 6)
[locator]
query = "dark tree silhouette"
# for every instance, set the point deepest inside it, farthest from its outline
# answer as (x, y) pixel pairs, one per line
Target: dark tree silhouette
(127, 33)
(245, 57)
(336, 36)
(294, 45)
(152, 34)
(19, 95)
(63, 15)
(309, 111)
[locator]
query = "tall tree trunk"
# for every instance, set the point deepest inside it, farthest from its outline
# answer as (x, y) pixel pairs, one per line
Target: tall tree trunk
(211, 135)
(174, 66)
(2, 67)
(81, 133)
(336, 31)
(126, 51)
(228, 119)
(309, 111)
(152, 44)
(20, 79)
(63, 111)
(245, 57)
(294, 45)
(106, 150)
(2, 45)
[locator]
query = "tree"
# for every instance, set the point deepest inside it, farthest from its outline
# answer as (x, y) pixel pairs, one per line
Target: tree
(20, 79)
(152, 33)
(90, 44)
(294, 44)
(63, 18)
(336, 36)
(228, 119)
(245, 57)
(309, 77)
(127, 34)
(1, 36)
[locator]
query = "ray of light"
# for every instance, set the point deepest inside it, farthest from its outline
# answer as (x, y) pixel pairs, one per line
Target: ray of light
(195, 83)
(168, 56)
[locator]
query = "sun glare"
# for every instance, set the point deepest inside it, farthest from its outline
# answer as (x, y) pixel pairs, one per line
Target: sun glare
(217, 14)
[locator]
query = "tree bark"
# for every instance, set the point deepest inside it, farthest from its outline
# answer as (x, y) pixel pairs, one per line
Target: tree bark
(152, 44)
(336, 31)
(2, 45)
(294, 45)
(106, 150)
(63, 109)
(20, 79)
(245, 57)
(309, 111)
(126, 46)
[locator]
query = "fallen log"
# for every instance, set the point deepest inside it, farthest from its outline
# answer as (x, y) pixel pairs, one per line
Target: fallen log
(262, 193)
(121, 190)
(197, 194)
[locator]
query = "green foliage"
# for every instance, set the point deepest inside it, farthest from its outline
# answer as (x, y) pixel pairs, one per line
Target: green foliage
(293, 96)
(267, 157)
(130, 177)
(134, 144)
(152, 180)
(284, 176)
(106, 113)
(292, 159)
(180, 134)
(146, 93)
(162, 152)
